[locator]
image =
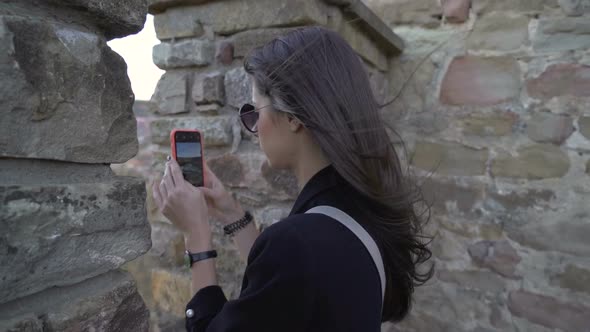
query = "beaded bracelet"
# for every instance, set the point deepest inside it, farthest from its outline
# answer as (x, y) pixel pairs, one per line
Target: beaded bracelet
(232, 228)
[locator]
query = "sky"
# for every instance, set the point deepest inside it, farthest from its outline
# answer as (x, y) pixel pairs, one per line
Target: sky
(137, 52)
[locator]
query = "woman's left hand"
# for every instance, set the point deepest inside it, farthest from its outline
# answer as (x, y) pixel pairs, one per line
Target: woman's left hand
(183, 204)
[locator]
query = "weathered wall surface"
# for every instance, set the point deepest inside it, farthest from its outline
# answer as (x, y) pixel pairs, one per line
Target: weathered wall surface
(68, 223)
(500, 113)
(496, 106)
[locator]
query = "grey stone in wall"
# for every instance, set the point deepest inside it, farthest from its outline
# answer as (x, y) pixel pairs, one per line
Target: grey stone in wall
(208, 88)
(217, 131)
(184, 53)
(60, 234)
(527, 6)
(108, 302)
(238, 87)
(548, 311)
(450, 159)
(227, 17)
(427, 13)
(539, 161)
(171, 92)
(116, 18)
(65, 80)
(244, 41)
(545, 127)
(575, 7)
(497, 31)
(562, 34)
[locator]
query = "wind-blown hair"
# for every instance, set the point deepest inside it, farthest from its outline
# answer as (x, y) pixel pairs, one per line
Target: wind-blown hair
(314, 75)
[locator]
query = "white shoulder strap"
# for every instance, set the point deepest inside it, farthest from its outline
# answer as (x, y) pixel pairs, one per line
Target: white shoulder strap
(361, 233)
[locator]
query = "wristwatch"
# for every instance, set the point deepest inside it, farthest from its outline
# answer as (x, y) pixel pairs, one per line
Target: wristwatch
(190, 258)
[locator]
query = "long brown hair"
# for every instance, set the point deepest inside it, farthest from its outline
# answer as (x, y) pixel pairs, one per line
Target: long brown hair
(315, 75)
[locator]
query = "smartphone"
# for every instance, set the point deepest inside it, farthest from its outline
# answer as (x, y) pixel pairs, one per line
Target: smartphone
(187, 150)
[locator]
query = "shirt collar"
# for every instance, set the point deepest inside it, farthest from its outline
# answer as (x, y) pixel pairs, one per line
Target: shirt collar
(324, 179)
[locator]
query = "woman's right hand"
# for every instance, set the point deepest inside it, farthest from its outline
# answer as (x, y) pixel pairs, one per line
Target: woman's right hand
(220, 203)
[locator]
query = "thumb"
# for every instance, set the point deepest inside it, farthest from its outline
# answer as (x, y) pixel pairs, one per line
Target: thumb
(209, 193)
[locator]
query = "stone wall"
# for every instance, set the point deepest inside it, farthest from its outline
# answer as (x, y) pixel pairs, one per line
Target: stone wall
(499, 111)
(203, 44)
(68, 223)
(495, 116)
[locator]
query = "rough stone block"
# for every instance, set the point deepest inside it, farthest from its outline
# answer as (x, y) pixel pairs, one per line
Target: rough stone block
(445, 194)
(425, 13)
(527, 6)
(170, 96)
(456, 11)
(216, 130)
(514, 201)
(499, 256)
(561, 80)
(584, 126)
(562, 34)
(208, 88)
(548, 311)
(574, 278)
(476, 280)
(563, 231)
(225, 53)
(60, 234)
(416, 96)
(575, 7)
(496, 124)
(498, 31)
(238, 87)
(171, 291)
(184, 53)
(477, 81)
(228, 169)
(450, 159)
(364, 46)
(540, 161)
(245, 41)
(117, 18)
(108, 302)
(545, 127)
(228, 17)
(63, 79)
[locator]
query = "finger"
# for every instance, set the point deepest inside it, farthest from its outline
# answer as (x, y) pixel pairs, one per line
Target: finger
(208, 193)
(175, 172)
(170, 184)
(163, 191)
(211, 180)
(156, 194)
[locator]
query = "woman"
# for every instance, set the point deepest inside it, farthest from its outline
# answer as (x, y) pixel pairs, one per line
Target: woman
(315, 115)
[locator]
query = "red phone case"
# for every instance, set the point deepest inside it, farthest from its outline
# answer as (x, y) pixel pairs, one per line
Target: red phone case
(173, 146)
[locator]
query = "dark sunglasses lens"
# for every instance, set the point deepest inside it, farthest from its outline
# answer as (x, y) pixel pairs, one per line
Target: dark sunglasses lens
(250, 120)
(249, 116)
(246, 108)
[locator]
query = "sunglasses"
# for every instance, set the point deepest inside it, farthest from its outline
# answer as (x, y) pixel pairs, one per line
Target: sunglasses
(249, 117)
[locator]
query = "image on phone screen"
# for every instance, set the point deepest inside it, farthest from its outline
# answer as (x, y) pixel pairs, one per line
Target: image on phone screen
(188, 156)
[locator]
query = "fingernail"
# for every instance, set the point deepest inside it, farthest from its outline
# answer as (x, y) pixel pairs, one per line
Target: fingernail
(168, 158)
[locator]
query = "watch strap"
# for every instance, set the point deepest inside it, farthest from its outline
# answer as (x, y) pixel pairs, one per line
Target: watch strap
(193, 258)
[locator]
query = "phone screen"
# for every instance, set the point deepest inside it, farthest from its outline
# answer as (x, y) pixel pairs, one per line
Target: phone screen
(188, 156)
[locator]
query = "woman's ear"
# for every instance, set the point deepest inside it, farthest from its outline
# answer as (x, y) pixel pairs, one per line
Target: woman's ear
(294, 124)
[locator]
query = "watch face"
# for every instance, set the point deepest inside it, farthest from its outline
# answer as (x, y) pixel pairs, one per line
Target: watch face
(187, 259)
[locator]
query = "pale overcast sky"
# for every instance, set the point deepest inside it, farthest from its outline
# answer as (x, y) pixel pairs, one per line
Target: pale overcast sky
(137, 52)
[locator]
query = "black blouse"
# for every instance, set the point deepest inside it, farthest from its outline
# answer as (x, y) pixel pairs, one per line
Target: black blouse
(306, 272)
